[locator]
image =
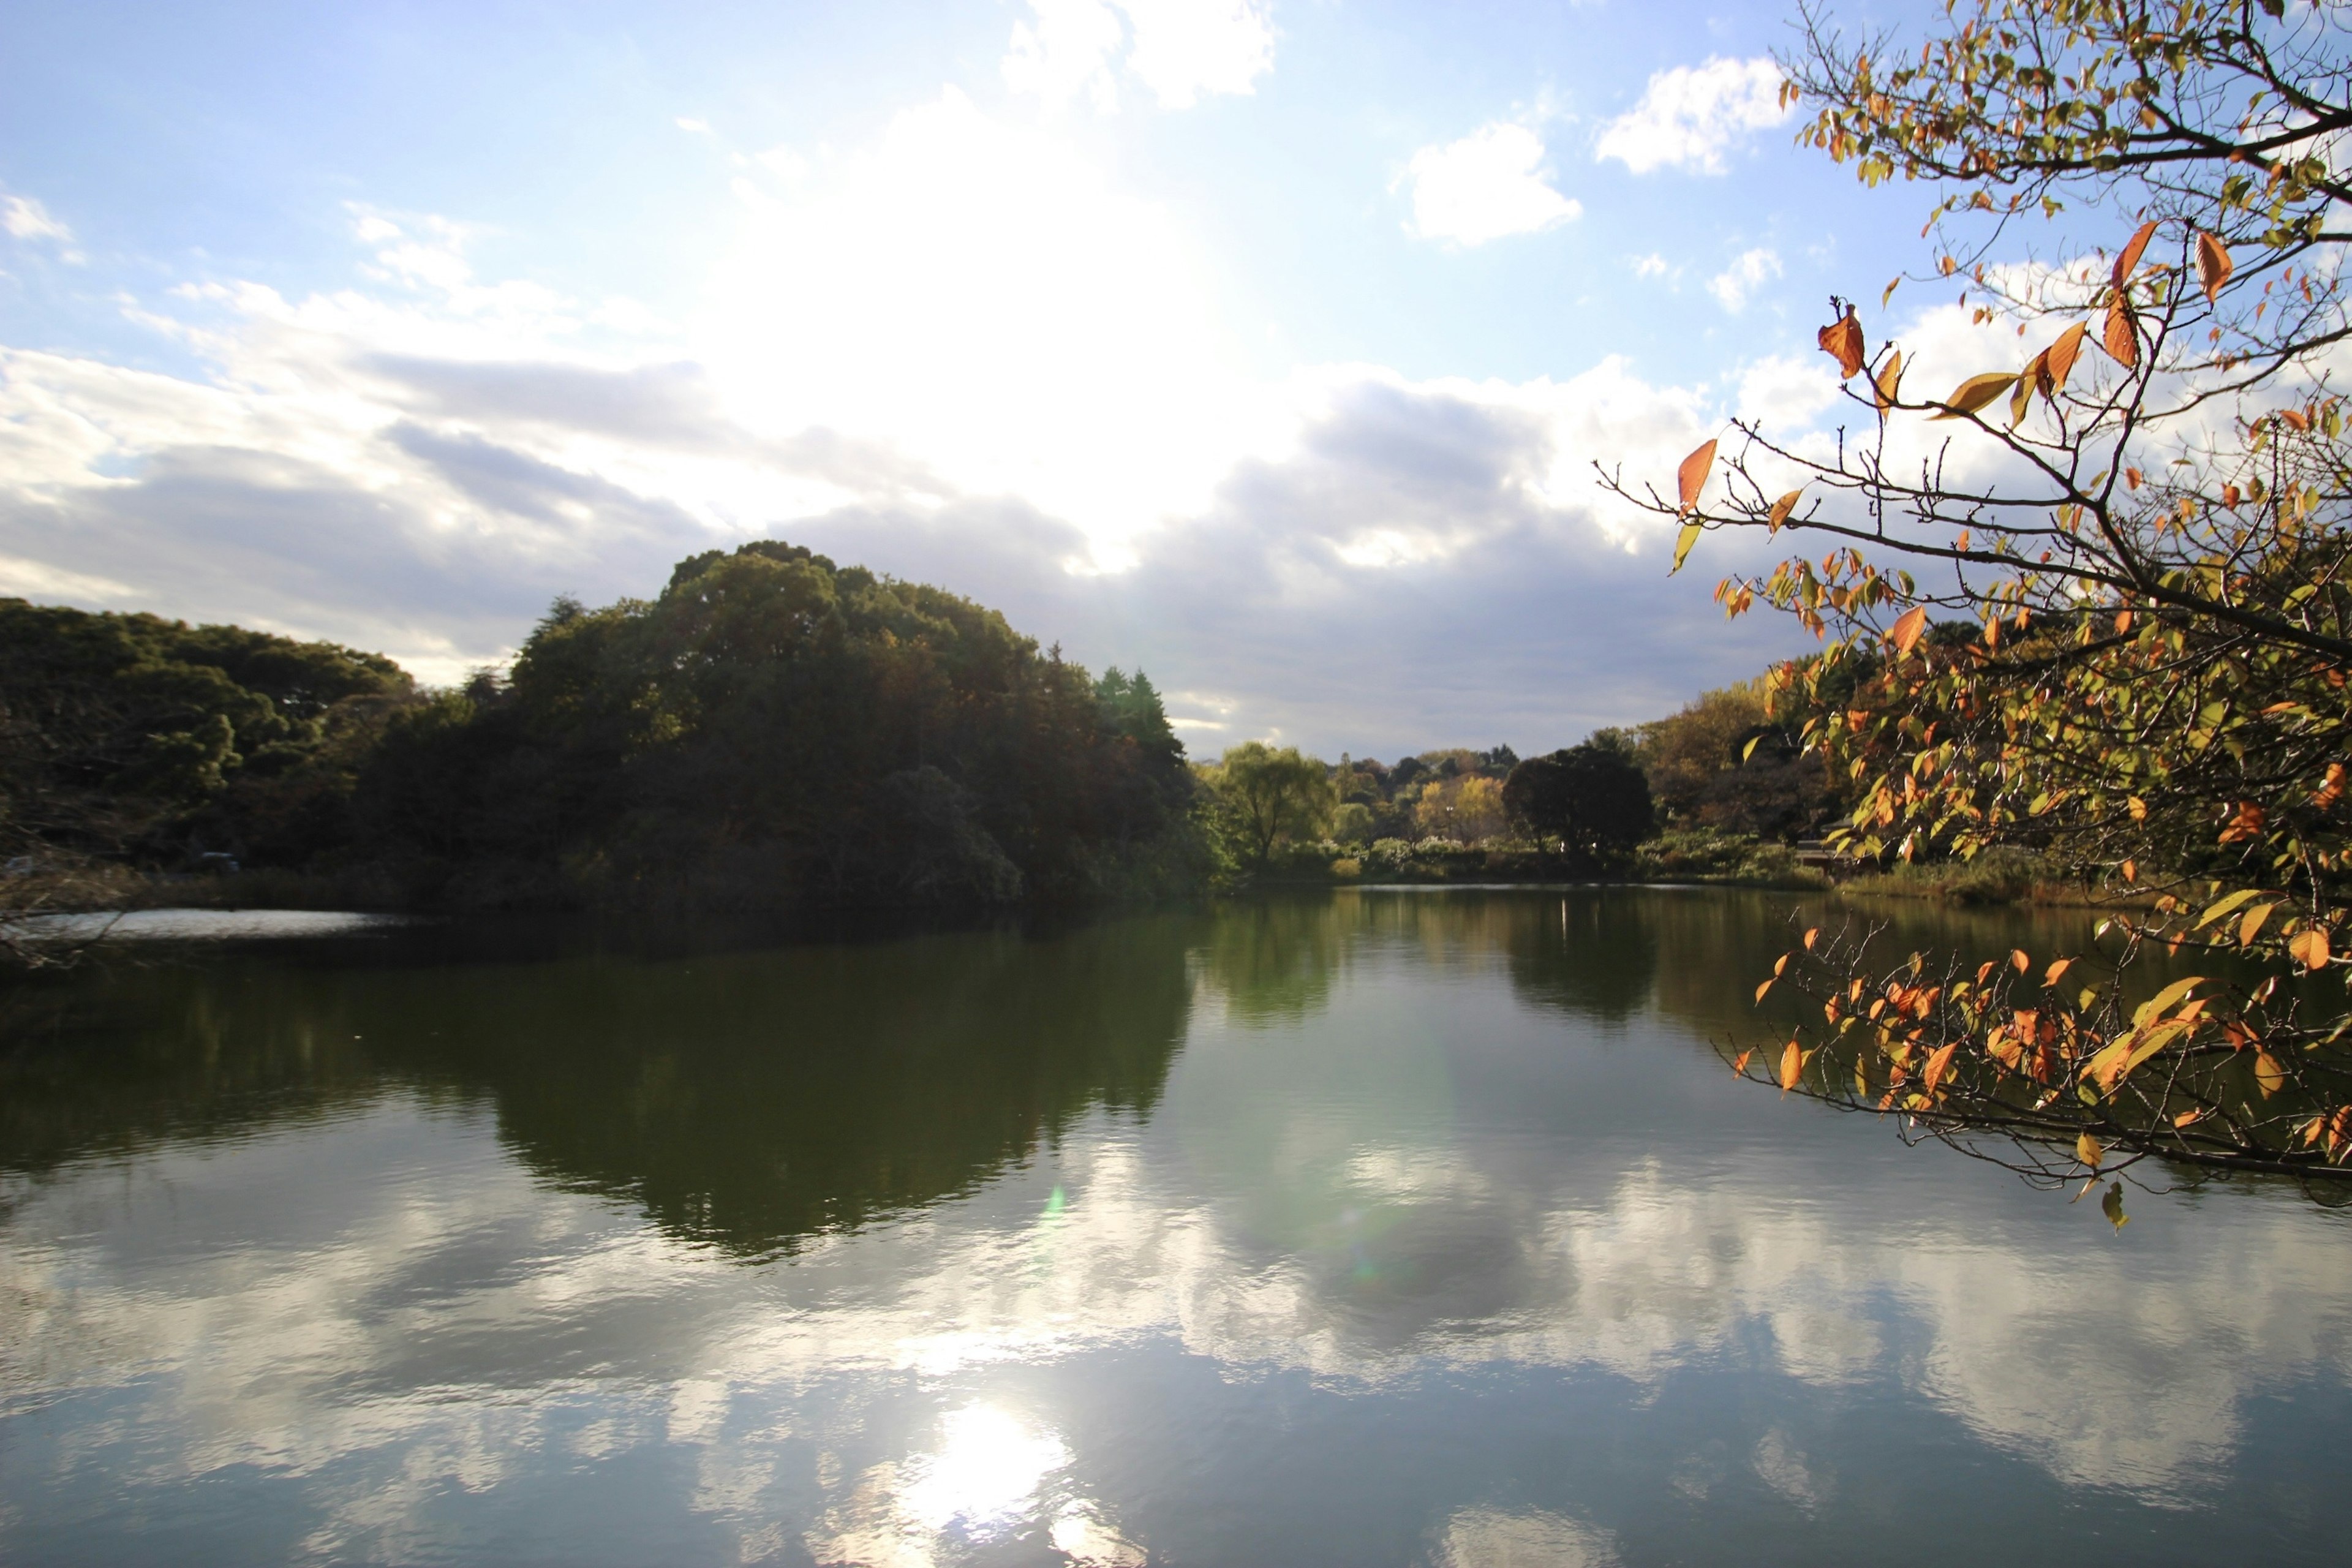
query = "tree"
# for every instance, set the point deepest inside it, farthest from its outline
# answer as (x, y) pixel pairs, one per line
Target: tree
(1465, 807)
(2138, 537)
(1591, 797)
(1268, 797)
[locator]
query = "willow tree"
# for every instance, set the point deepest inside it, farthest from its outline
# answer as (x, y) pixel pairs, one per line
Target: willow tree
(2085, 595)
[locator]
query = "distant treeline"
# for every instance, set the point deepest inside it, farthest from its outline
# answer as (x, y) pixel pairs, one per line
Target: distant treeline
(772, 730)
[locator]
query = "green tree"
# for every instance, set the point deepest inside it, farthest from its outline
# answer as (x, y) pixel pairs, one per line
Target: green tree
(2143, 669)
(1591, 798)
(1268, 797)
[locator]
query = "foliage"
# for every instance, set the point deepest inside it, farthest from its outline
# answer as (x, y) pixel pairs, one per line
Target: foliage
(133, 737)
(1466, 808)
(2146, 549)
(774, 730)
(1731, 760)
(1591, 798)
(1266, 797)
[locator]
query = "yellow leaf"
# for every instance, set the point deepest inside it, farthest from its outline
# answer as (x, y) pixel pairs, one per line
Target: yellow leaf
(2035, 373)
(2155, 1005)
(1891, 287)
(1782, 508)
(2087, 1149)
(1975, 393)
(1906, 631)
(2137, 808)
(1841, 340)
(1792, 1063)
(2058, 359)
(1691, 478)
(2212, 265)
(2112, 1205)
(2269, 1077)
(2253, 922)
(2215, 911)
(1683, 542)
(2122, 336)
(2310, 947)
(1886, 383)
(2129, 259)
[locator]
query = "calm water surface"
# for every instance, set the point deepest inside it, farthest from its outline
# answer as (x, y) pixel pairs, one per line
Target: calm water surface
(1397, 1228)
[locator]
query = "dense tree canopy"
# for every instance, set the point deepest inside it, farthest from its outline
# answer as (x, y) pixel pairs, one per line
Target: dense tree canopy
(1266, 797)
(774, 730)
(1591, 797)
(135, 737)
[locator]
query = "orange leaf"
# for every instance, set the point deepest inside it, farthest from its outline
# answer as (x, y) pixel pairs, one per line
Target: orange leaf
(1841, 340)
(1937, 1065)
(2269, 1077)
(2231, 495)
(2212, 265)
(1811, 933)
(2246, 822)
(1906, 631)
(2122, 335)
(2133, 246)
(2188, 1118)
(2031, 379)
(2296, 422)
(2056, 973)
(1782, 508)
(1739, 1065)
(1975, 393)
(1793, 1064)
(2310, 947)
(1883, 386)
(1761, 989)
(2331, 789)
(2059, 358)
(1691, 478)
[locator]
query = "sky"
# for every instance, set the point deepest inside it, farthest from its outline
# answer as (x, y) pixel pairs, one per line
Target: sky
(1267, 345)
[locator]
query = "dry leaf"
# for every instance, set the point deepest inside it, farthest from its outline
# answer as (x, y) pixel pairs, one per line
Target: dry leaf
(2056, 973)
(2310, 947)
(2087, 1149)
(2212, 265)
(1908, 627)
(2122, 337)
(2059, 357)
(1891, 287)
(1683, 542)
(1691, 478)
(1974, 393)
(1793, 1064)
(2244, 823)
(1761, 989)
(2018, 961)
(2253, 922)
(1885, 384)
(1739, 1065)
(1939, 1065)
(2331, 789)
(1841, 340)
(1782, 508)
(1811, 933)
(2269, 1077)
(2129, 259)
(2029, 380)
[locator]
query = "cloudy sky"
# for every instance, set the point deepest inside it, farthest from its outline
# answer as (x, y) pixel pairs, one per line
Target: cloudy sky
(1267, 344)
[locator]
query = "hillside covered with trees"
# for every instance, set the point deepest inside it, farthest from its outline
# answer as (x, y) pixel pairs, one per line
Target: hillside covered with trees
(770, 731)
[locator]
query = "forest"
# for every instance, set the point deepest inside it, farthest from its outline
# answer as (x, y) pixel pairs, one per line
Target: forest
(772, 731)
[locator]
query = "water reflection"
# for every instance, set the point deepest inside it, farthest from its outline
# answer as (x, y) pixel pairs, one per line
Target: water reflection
(1443, 1237)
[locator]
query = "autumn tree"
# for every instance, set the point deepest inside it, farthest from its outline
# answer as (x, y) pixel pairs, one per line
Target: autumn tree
(1592, 799)
(2085, 595)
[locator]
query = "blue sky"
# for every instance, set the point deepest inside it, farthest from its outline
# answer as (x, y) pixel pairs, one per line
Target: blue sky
(1267, 343)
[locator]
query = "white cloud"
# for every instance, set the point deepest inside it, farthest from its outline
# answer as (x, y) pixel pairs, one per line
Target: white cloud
(27, 218)
(1690, 116)
(1735, 284)
(1486, 185)
(1181, 49)
(1651, 266)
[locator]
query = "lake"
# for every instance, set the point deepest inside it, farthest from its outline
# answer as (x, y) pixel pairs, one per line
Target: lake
(1390, 1228)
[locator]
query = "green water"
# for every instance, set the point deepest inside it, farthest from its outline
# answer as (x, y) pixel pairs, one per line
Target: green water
(1397, 1228)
